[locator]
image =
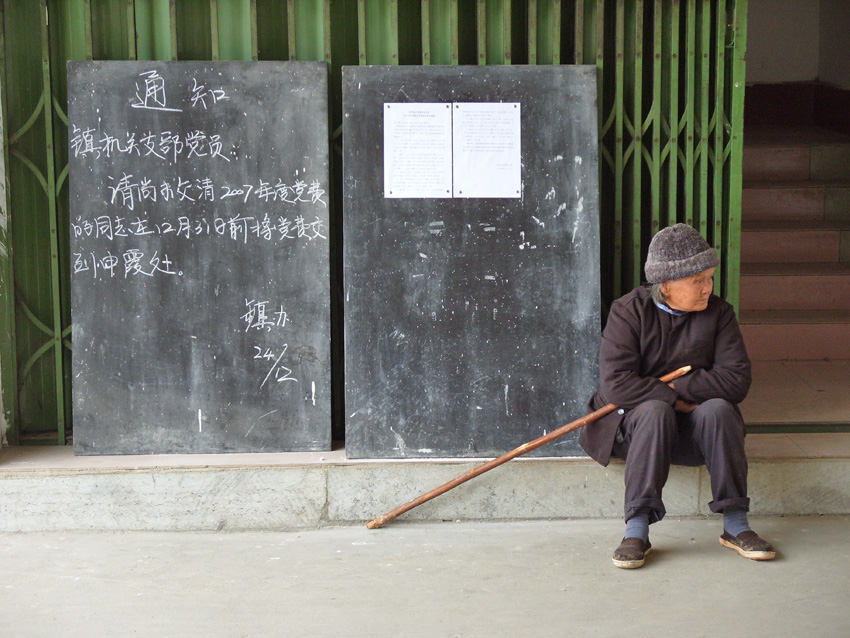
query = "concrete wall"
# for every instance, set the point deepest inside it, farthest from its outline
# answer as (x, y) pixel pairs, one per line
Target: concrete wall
(5, 287)
(3, 423)
(783, 40)
(798, 41)
(834, 56)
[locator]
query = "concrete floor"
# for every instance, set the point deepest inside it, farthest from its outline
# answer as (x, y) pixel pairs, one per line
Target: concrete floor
(442, 579)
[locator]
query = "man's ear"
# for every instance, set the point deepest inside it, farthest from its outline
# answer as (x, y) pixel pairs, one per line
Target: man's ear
(663, 286)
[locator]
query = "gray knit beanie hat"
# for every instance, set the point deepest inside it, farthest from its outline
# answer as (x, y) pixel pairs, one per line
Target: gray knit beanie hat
(676, 252)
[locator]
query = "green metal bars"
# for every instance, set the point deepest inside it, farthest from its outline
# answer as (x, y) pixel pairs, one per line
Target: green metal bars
(37, 225)
(670, 129)
(670, 107)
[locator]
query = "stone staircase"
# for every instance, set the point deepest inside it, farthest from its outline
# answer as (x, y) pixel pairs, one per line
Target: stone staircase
(795, 244)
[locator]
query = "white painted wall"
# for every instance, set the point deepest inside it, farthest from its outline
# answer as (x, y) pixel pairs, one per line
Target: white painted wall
(835, 43)
(799, 41)
(783, 40)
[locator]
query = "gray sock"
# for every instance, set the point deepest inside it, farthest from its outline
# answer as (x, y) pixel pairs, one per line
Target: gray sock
(735, 521)
(638, 526)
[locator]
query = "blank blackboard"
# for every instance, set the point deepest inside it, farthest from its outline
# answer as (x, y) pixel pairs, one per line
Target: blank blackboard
(471, 324)
(199, 256)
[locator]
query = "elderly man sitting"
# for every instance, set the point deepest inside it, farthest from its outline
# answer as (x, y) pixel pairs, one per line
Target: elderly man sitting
(695, 420)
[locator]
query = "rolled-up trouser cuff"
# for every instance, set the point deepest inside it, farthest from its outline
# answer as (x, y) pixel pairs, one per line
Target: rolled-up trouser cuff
(653, 505)
(741, 503)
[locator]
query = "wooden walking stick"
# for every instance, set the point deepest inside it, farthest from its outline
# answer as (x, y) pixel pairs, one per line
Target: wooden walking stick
(522, 449)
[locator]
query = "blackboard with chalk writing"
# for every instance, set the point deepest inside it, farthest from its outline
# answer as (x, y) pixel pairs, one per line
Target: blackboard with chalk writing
(471, 258)
(199, 256)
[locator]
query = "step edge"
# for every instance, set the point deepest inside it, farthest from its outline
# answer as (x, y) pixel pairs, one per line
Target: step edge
(787, 269)
(793, 323)
(794, 427)
(794, 225)
(788, 184)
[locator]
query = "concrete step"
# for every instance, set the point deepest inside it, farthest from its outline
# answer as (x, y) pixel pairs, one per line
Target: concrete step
(797, 241)
(776, 163)
(50, 489)
(820, 163)
(770, 200)
(772, 335)
(789, 286)
(795, 200)
(830, 163)
(796, 153)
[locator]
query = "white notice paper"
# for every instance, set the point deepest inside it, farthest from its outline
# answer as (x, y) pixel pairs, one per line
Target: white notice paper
(487, 152)
(417, 150)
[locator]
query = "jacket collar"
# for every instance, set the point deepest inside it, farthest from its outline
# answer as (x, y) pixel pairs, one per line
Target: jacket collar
(666, 308)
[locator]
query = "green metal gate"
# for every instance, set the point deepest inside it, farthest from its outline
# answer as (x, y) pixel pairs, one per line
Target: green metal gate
(670, 100)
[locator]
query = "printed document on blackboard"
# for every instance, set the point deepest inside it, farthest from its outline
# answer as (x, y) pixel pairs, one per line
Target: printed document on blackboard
(464, 149)
(486, 147)
(417, 150)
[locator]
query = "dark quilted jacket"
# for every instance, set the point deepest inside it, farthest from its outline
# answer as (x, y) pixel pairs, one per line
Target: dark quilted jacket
(641, 342)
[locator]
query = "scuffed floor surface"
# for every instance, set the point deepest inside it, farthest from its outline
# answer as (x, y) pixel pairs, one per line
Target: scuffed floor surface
(441, 579)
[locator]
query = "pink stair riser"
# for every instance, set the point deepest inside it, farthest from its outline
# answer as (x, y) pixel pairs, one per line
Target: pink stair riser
(772, 163)
(777, 246)
(783, 202)
(795, 292)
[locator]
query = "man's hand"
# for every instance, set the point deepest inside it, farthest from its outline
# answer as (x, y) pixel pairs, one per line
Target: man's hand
(684, 406)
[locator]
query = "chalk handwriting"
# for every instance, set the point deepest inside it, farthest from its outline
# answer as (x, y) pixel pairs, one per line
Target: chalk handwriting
(200, 94)
(136, 197)
(150, 93)
(135, 262)
(106, 264)
(153, 94)
(166, 145)
(257, 316)
(127, 191)
(281, 372)
(237, 227)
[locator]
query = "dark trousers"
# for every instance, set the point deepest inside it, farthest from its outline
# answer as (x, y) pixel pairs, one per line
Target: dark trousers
(653, 436)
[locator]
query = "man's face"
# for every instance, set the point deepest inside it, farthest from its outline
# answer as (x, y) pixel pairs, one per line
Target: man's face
(690, 293)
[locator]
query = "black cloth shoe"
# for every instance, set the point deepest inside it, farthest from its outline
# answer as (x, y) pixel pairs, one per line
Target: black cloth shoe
(631, 553)
(749, 545)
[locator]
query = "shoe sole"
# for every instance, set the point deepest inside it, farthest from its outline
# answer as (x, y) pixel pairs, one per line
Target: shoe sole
(752, 555)
(631, 564)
